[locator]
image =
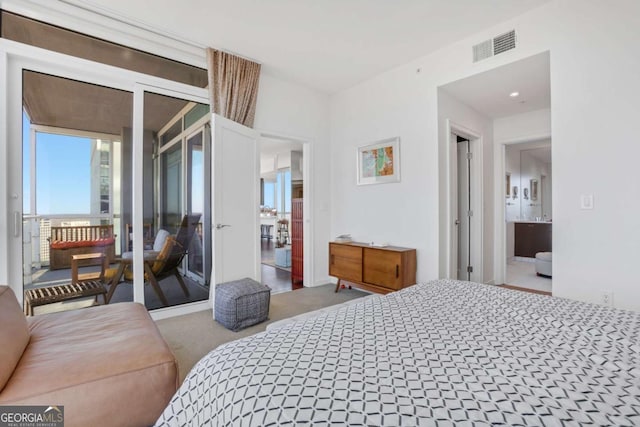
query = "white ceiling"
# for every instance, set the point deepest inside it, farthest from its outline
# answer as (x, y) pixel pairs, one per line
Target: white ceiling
(488, 92)
(330, 44)
(271, 147)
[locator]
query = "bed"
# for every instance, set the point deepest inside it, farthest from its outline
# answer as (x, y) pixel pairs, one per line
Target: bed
(439, 353)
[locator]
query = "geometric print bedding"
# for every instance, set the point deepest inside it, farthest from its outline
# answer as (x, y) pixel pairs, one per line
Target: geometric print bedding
(443, 353)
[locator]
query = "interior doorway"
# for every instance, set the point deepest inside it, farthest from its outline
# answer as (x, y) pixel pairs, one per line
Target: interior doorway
(466, 204)
(528, 215)
(506, 104)
(282, 199)
(463, 212)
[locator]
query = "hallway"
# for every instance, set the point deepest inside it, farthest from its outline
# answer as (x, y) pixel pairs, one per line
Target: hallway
(277, 278)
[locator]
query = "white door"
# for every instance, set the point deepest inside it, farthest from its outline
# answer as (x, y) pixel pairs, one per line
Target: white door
(464, 207)
(465, 178)
(236, 172)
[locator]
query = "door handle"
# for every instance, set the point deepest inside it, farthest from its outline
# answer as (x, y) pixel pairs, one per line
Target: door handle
(219, 226)
(16, 224)
(457, 222)
(397, 271)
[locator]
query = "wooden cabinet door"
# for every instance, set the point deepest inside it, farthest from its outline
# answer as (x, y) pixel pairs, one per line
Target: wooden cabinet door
(524, 244)
(345, 262)
(297, 242)
(383, 268)
(532, 238)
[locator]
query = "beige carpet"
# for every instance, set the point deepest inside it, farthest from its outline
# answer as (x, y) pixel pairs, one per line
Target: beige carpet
(194, 335)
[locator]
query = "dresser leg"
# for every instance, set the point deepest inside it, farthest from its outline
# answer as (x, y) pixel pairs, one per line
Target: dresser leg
(338, 285)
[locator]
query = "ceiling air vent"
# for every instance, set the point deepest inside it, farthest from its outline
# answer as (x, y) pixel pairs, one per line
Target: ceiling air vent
(482, 50)
(491, 47)
(504, 42)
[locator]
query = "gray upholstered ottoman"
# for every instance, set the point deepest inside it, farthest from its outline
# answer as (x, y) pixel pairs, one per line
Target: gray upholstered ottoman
(543, 264)
(241, 303)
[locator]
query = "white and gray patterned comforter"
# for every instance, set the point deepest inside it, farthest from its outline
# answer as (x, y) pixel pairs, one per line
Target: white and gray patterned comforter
(441, 353)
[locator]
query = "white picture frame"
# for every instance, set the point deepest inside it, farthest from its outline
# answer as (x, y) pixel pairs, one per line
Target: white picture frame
(379, 162)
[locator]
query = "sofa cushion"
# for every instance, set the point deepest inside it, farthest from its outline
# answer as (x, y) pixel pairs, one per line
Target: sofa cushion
(64, 244)
(161, 237)
(108, 365)
(14, 334)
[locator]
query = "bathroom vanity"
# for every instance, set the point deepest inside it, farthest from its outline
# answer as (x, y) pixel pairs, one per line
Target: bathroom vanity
(531, 237)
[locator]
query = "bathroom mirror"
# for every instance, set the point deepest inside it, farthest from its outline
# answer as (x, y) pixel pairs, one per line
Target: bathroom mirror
(533, 184)
(528, 173)
(535, 173)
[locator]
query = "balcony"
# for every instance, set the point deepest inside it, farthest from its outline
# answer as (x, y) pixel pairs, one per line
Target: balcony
(37, 271)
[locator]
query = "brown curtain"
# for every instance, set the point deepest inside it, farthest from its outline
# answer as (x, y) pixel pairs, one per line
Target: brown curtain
(233, 86)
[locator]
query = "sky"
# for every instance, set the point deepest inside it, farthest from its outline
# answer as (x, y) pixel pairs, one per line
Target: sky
(63, 173)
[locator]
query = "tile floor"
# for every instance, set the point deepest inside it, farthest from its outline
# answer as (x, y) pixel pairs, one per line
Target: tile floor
(523, 274)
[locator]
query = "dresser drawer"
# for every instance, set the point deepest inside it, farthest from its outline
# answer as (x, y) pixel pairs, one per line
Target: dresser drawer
(345, 262)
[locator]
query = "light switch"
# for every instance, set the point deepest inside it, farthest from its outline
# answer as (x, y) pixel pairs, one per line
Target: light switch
(586, 201)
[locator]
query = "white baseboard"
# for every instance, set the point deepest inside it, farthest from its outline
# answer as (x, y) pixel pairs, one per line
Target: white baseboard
(323, 281)
(165, 313)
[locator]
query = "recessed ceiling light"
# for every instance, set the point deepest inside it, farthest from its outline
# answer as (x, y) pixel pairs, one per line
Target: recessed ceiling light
(514, 94)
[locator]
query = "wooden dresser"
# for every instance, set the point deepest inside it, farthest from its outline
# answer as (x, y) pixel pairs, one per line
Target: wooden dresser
(377, 269)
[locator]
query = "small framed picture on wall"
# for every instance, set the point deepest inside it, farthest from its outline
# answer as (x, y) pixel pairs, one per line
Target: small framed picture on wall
(379, 162)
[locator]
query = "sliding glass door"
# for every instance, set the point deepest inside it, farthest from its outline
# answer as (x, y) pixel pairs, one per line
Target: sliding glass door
(171, 187)
(196, 201)
(92, 169)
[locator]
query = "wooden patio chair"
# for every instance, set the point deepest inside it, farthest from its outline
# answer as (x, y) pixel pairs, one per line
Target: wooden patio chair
(164, 265)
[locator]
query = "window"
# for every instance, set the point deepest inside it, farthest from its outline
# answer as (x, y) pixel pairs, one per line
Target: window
(40, 34)
(269, 194)
(66, 181)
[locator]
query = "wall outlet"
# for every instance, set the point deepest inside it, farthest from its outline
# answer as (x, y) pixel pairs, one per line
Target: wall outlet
(586, 201)
(606, 298)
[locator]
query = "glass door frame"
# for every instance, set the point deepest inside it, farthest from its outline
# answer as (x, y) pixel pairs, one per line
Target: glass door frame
(16, 57)
(199, 126)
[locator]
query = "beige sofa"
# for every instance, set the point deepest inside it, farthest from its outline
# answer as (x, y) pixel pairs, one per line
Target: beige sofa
(107, 365)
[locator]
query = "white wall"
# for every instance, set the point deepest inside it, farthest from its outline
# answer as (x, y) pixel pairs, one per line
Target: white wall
(523, 127)
(403, 213)
(291, 110)
(594, 110)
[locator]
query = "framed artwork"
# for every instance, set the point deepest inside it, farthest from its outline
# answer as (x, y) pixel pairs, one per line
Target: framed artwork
(379, 162)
